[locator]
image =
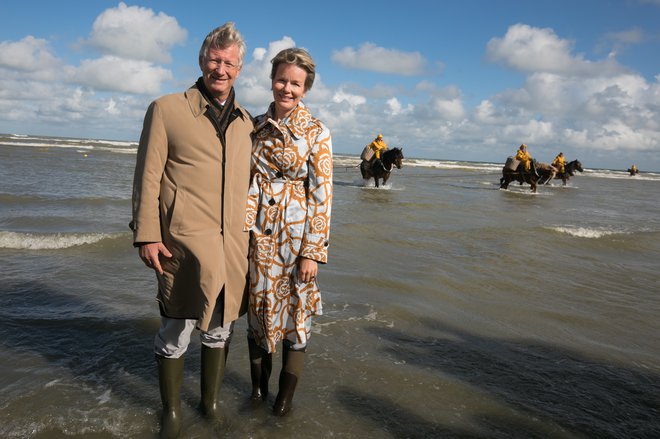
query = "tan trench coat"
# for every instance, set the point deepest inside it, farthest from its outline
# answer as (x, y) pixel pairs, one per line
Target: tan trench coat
(178, 199)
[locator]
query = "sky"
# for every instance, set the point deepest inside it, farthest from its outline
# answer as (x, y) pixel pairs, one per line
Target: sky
(452, 80)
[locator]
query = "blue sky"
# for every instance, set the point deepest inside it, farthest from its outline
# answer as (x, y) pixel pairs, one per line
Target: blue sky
(456, 80)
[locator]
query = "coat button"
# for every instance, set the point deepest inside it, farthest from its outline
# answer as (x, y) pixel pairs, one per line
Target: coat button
(268, 232)
(279, 174)
(271, 201)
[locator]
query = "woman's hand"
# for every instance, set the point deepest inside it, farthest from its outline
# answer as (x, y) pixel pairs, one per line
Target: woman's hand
(307, 269)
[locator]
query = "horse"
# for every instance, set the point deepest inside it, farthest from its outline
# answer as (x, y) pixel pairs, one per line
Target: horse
(381, 168)
(569, 171)
(519, 174)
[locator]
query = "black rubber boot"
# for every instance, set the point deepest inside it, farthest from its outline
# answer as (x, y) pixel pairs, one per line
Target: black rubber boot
(292, 365)
(170, 377)
(213, 371)
(261, 364)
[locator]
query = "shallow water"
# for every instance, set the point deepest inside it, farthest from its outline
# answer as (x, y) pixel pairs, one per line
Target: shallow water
(451, 308)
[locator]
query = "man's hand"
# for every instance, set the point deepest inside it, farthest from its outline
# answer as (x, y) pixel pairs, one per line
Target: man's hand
(149, 254)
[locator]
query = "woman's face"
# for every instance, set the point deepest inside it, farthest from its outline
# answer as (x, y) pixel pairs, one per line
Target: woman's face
(288, 88)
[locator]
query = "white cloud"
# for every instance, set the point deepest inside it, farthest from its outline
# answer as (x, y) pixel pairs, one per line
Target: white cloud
(111, 73)
(29, 55)
(137, 33)
(350, 99)
(379, 59)
(530, 49)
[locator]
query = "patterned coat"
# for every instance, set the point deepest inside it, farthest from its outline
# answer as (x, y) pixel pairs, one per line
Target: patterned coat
(288, 213)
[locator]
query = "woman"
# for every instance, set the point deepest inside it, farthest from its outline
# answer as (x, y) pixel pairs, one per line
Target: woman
(288, 214)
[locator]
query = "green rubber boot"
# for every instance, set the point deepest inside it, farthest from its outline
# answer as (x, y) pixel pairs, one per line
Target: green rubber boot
(170, 377)
(292, 365)
(213, 371)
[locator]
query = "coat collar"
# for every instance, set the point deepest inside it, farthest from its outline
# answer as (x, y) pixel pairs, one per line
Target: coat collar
(198, 104)
(297, 122)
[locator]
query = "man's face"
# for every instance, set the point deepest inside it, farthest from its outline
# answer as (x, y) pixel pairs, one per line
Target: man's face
(220, 68)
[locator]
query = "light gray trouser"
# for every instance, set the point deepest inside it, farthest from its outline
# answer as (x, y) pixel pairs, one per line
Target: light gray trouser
(173, 337)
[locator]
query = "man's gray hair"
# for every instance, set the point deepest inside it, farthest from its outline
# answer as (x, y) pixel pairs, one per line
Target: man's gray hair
(221, 38)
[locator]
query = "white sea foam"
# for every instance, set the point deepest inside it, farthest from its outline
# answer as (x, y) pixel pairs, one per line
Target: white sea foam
(43, 241)
(585, 232)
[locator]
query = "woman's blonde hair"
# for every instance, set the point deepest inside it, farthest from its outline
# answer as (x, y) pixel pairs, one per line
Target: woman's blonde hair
(299, 57)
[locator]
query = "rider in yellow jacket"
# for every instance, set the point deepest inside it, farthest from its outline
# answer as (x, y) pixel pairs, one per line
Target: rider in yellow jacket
(558, 162)
(524, 157)
(378, 145)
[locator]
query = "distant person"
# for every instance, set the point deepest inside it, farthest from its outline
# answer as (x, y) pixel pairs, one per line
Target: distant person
(559, 163)
(379, 146)
(373, 152)
(633, 169)
(526, 159)
(288, 214)
(190, 188)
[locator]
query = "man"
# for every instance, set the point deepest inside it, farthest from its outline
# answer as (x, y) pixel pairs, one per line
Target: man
(378, 146)
(189, 196)
(525, 158)
(372, 152)
(559, 163)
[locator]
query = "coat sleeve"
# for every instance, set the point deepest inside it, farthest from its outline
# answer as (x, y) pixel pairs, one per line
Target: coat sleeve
(319, 199)
(149, 168)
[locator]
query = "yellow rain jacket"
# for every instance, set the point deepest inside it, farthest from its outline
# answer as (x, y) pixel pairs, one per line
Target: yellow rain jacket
(524, 157)
(378, 146)
(558, 163)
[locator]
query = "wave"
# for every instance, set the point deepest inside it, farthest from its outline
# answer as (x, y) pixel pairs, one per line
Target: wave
(81, 145)
(51, 241)
(348, 160)
(72, 200)
(587, 232)
(623, 175)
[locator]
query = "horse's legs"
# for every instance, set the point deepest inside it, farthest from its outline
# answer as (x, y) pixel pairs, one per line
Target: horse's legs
(363, 170)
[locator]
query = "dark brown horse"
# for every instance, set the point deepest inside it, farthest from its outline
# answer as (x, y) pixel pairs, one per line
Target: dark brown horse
(381, 168)
(519, 175)
(569, 171)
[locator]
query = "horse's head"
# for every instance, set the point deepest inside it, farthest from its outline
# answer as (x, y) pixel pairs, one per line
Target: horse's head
(576, 165)
(397, 157)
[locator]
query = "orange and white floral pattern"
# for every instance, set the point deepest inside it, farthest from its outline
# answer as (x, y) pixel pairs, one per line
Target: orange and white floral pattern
(288, 213)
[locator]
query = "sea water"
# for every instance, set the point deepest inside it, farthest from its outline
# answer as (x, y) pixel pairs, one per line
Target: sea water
(451, 308)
